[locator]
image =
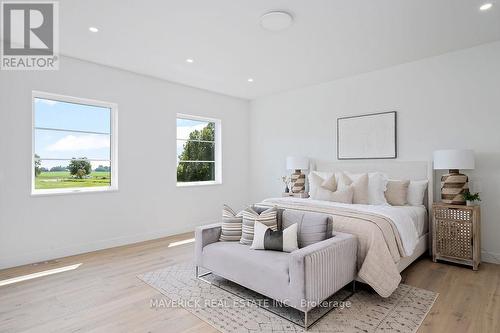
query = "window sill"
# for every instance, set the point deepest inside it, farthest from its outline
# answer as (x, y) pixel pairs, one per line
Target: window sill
(76, 190)
(191, 184)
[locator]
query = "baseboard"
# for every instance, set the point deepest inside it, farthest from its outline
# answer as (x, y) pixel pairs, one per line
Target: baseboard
(493, 258)
(40, 256)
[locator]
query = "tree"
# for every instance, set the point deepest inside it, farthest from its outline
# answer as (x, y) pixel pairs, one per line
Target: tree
(58, 168)
(80, 167)
(197, 151)
(38, 164)
(102, 168)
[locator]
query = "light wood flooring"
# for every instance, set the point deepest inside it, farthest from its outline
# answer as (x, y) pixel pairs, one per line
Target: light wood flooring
(104, 294)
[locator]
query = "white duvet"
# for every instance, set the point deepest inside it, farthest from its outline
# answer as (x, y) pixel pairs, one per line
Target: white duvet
(409, 220)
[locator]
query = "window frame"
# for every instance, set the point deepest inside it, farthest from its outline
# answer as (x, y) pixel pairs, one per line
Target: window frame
(217, 150)
(113, 144)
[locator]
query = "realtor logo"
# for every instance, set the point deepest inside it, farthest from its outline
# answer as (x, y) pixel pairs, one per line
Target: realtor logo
(30, 35)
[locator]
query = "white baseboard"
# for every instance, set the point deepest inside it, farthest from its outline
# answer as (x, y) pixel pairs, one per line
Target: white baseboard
(45, 255)
(493, 258)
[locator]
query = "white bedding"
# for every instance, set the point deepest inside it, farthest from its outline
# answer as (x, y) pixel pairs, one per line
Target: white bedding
(410, 221)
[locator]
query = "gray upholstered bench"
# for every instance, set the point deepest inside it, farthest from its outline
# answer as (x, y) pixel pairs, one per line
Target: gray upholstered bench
(301, 279)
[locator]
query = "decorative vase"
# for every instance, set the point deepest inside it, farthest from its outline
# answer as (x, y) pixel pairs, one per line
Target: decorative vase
(298, 181)
(453, 185)
(287, 190)
(470, 203)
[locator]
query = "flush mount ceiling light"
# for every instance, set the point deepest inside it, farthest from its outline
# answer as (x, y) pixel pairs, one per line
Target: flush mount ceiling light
(276, 20)
(189, 60)
(250, 79)
(93, 29)
(486, 6)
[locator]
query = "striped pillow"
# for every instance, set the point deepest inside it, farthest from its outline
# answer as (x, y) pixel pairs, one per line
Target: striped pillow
(268, 217)
(231, 225)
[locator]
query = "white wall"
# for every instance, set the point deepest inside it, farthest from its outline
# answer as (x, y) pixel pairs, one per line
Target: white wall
(148, 204)
(449, 101)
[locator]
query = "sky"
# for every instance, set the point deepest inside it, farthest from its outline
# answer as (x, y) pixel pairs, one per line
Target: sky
(66, 144)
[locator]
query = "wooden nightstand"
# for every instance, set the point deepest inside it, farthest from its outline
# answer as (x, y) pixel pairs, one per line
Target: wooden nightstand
(456, 234)
(295, 195)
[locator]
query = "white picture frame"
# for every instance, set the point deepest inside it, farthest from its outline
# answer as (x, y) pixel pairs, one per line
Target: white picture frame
(369, 136)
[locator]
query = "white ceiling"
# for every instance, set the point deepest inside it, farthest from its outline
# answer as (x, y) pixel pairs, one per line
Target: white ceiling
(329, 39)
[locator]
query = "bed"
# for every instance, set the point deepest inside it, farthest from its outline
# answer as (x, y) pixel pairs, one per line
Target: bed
(390, 238)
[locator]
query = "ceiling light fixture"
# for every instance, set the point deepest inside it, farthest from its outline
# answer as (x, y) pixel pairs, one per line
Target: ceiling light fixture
(276, 20)
(250, 79)
(189, 60)
(486, 6)
(93, 29)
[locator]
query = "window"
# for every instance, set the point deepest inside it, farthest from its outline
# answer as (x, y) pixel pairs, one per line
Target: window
(74, 145)
(198, 151)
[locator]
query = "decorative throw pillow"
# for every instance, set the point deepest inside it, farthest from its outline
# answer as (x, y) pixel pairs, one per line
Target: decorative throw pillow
(268, 217)
(397, 191)
(377, 184)
(360, 187)
(317, 192)
(281, 240)
(231, 225)
(311, 227)
(314, 186)
(330, 183)
(416, 192)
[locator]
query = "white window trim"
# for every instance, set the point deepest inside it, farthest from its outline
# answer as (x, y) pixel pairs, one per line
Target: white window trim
(217, 152)
(114, 145)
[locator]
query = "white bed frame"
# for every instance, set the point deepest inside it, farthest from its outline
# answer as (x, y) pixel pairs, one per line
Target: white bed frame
(395, 169)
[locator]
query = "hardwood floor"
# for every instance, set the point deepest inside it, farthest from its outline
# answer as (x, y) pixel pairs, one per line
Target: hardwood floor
(104, 295)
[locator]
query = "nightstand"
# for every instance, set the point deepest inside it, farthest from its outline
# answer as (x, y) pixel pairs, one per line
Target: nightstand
(456, 234)
(303, 195)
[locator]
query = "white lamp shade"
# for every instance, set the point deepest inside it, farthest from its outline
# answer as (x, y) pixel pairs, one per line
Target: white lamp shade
(297, 163)
(454, 159)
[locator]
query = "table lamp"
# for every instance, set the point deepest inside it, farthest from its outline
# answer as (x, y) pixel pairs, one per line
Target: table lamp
(454, 184)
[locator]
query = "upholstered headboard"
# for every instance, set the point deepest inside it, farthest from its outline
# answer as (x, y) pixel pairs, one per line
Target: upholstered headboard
(395, 169)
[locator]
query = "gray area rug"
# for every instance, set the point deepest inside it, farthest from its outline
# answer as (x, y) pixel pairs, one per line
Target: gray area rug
(231, 308)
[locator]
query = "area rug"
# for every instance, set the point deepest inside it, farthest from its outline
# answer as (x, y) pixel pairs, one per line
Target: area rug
(230, 308)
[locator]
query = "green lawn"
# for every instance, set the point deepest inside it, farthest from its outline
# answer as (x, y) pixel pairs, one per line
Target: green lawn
(62, 179)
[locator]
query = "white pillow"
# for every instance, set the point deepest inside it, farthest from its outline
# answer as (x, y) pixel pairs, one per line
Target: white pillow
(313, 186)
(377, 185)
(416, 192)
(266, 239)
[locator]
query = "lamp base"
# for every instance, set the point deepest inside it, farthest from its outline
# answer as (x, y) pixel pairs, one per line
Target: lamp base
(453, 185)
(298, 182)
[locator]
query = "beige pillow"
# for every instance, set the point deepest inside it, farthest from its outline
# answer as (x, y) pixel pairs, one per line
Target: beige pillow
(397, 192)
(360, 187)
(330, 183)
(343, 195)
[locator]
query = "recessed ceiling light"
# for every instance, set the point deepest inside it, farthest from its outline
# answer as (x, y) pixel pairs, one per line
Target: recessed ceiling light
(486, 6)
(189, 60)
(250, 79)
(93, 29)
(276, 20)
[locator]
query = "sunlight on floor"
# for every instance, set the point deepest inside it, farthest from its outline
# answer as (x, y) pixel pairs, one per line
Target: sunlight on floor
(186, 241)
(39, 274)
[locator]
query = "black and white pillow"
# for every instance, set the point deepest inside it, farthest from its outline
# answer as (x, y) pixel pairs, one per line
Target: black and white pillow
(281, 240)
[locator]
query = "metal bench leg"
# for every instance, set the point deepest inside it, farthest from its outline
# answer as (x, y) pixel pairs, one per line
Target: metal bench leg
(306, 326)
